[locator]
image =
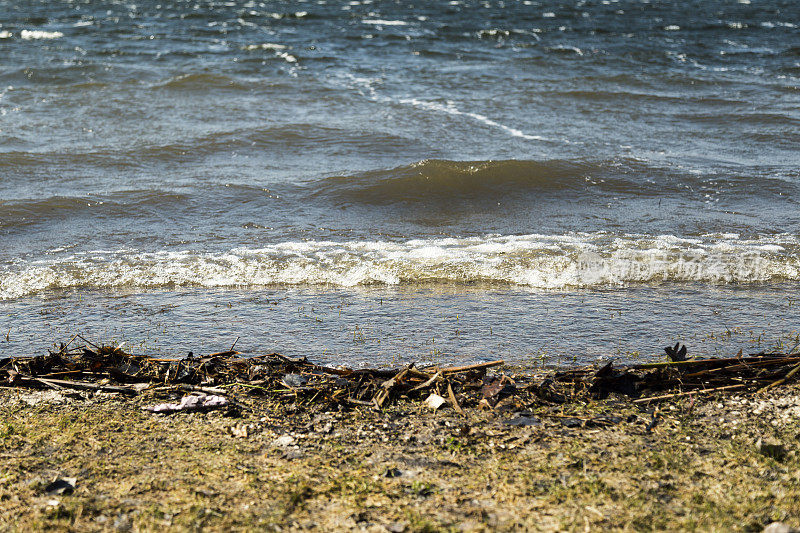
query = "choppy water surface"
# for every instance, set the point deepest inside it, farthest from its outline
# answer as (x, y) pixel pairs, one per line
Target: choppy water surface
(530, 167)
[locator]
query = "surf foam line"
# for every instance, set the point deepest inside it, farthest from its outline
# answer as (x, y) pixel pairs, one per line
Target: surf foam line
(448, 108)
(546, 262)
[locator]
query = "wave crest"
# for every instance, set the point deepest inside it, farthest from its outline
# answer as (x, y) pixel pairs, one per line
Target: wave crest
(434, 179)
(549, 262)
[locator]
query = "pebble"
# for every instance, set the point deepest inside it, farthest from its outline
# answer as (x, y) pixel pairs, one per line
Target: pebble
(284, 440)
(770, 448)
(780, 527)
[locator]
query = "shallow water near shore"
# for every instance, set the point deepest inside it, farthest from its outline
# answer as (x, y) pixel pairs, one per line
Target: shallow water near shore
(424, 324)
(343, 179)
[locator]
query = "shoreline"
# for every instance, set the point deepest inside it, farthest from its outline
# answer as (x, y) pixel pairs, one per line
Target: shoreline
(373, 326)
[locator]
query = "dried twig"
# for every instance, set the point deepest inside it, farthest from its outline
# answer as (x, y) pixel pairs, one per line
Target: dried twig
(689, 393)
(477, 366)
(783, 380)
(453, 399)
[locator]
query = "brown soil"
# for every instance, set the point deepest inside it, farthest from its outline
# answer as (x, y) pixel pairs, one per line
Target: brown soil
(602, 465)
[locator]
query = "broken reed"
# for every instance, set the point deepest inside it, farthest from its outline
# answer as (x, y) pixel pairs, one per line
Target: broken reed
(487, 385)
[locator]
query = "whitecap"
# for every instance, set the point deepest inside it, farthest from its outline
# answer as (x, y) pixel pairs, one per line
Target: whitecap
(289, 58)
(549, 262)
(265, 46)
(380, 22)
(450, 109)
(39, 34)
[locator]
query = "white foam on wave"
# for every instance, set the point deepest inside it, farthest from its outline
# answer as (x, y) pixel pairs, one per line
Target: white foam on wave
(28, 35)
(549, 262)
(381, 22)
(448, 108)
(265, 46)
(289, 58)
(277, 49)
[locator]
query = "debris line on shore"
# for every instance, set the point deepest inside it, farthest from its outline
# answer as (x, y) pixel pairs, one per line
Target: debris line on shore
(490, 385)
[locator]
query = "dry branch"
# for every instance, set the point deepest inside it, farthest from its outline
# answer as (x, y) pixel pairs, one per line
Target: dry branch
(298, 380)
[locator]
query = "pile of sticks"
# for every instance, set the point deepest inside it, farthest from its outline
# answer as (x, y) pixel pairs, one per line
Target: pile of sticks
(674, 379)
(110, 369)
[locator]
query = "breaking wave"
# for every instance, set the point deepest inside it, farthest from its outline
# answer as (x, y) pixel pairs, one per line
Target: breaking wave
(545, 262)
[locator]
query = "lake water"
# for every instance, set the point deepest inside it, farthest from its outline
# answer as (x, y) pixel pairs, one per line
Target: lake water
(376, 182)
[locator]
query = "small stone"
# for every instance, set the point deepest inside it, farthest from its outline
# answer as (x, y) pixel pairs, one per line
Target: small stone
(523, 421)
(392, 472)
(295, 381)
(284, 441)
(780, 527)
(239, 431)
(772, 449)
(293, 454)
(571, 422)
(61, 486)
(122, 523)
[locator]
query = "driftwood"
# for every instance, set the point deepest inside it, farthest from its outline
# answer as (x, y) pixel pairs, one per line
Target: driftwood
(97, 368)
(689, 393)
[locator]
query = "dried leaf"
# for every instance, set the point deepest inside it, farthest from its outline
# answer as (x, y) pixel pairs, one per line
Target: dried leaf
(434, 401)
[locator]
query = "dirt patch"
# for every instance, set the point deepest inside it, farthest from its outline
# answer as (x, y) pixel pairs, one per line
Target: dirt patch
(715, 463)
